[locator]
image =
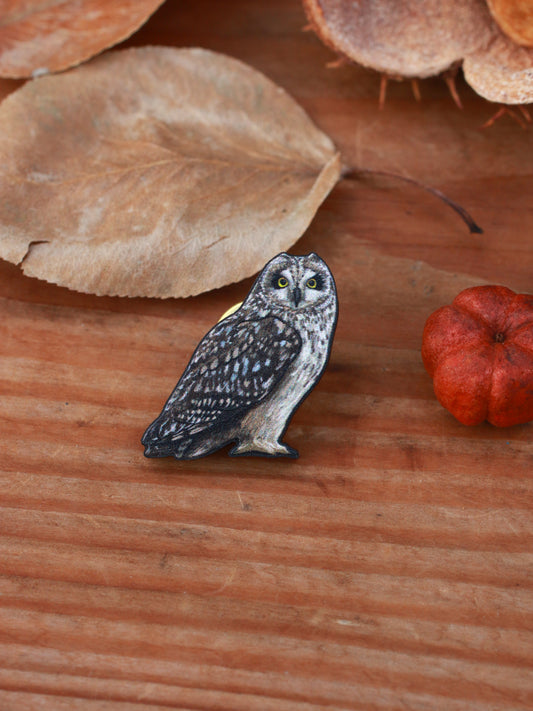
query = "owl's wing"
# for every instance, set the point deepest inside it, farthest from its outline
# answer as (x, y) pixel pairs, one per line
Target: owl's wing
(235, 366)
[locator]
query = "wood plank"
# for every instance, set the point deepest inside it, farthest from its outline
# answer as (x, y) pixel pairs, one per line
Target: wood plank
(388, 568)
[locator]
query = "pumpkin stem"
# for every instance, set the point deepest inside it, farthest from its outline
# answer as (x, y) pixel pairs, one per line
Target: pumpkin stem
(499, 337)
(474, 228)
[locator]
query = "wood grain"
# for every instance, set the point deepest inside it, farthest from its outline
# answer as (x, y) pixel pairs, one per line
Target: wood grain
(390, 567)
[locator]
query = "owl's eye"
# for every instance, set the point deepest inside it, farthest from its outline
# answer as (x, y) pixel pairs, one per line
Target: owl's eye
(282, 282)
(312, 283)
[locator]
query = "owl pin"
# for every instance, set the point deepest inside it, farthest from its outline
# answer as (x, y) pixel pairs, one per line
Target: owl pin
(252, 370)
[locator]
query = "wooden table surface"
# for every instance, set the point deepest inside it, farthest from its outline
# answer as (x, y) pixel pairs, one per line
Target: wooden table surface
(390, 567)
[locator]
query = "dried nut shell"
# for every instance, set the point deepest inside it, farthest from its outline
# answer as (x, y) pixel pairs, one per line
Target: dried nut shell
(398, 37)
(405, 39)
(502, 73)
(515, 18)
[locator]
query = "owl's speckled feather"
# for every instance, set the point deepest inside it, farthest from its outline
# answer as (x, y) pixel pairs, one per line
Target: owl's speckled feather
(252, 370)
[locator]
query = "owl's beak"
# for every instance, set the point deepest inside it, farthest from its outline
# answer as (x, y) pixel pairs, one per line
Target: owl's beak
(296, 295)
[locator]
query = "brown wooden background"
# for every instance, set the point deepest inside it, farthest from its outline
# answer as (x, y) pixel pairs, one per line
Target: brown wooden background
(390, 567)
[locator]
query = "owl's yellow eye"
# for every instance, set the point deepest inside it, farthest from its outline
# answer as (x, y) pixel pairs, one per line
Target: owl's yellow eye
(312, 283)
(282, 282)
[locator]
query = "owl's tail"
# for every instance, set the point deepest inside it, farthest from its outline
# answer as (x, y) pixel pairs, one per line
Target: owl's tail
(163, 439)
(157, 439)
(157, 449)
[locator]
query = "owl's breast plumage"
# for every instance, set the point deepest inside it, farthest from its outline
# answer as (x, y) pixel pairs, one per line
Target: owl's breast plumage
(315, 331)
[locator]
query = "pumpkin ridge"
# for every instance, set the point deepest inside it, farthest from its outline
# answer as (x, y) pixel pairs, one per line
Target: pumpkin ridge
(495, 354)
(452, 351)
(491, 326)
(475, 316)
(453, 398)
(525, 349)
(509, 312)
(480, 332)
(514, 330)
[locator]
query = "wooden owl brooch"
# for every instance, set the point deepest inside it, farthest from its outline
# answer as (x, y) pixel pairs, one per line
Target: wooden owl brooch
(252, 370)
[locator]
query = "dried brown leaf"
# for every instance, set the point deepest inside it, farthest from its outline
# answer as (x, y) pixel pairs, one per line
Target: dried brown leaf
(156, 172)
(515, 18)
(39, 37)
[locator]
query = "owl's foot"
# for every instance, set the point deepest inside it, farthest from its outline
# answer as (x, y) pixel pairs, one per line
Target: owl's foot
(263, 448)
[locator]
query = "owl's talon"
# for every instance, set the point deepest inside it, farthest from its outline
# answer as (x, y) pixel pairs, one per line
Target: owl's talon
(292, 453)
(263, 448)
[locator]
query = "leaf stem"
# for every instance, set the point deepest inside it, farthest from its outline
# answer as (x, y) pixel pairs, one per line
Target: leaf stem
(354, 174)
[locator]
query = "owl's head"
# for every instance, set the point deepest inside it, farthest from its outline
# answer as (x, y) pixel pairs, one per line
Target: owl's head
(295, 282)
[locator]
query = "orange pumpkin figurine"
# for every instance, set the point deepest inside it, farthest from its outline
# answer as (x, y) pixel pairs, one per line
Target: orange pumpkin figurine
(479, 352)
